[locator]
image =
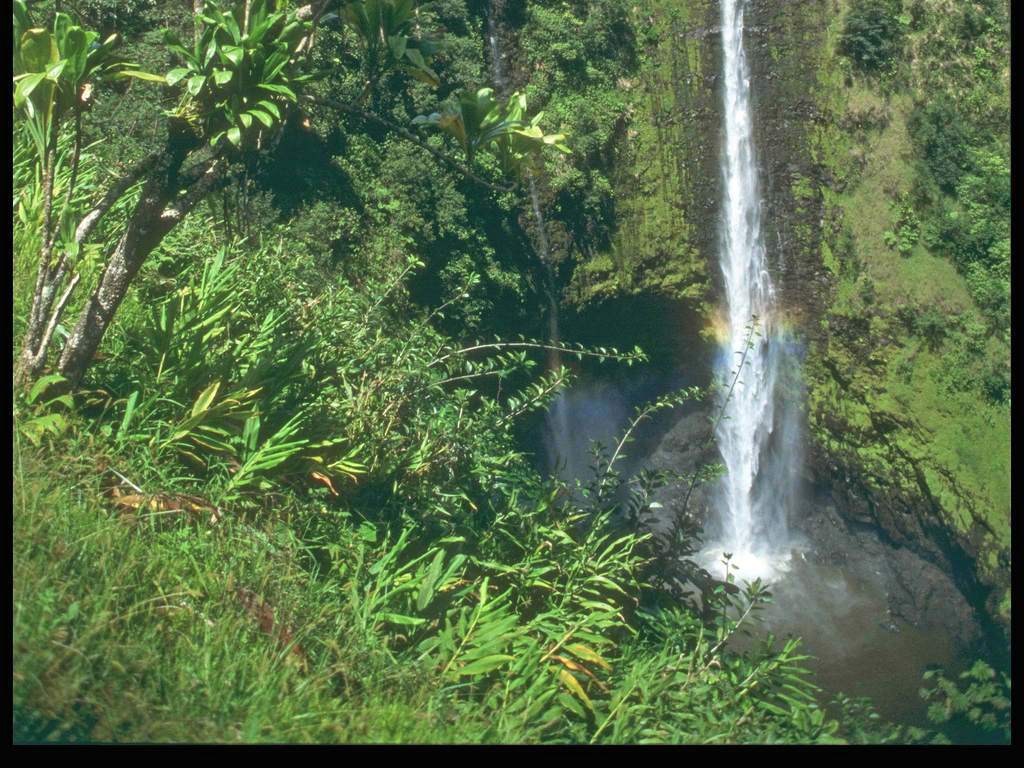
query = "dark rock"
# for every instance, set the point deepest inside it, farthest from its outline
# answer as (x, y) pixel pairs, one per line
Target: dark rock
(918, 591)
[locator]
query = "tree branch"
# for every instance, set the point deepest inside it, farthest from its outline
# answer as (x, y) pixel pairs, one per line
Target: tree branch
(198, 189)
(75, 158)
(92, 218)
(56, 314)
(610, 354)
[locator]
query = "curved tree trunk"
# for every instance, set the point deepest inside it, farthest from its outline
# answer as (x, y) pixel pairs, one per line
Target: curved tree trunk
(156, 213)
(142, 234)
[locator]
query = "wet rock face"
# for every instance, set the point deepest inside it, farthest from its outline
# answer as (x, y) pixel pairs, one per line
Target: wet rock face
(784, 42)
(917, 591)
(686, 446)
(925, 596)
(845, 538)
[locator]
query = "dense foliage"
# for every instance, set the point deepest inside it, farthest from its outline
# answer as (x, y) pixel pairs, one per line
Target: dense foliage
(873, 35)
(953, 58)
(960, 140)
(290, 501)
(348, 442)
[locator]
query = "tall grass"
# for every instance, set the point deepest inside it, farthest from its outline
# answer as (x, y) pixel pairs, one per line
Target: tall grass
(138, 629)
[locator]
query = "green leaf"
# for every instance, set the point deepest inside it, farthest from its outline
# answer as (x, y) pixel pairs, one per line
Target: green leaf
(138, 74)
(485, 664)
(76, 51)
(426, 593)
(195, 84)
(129, 411)
(175, 75)
(271, 107)
(397, 618)
(42, 384)
(233, 53)
(571, 704)
(25, 88)
(263, 117)
(205, 399)
(368, 532)
(38, 50)
(234, 135)
(284, 90)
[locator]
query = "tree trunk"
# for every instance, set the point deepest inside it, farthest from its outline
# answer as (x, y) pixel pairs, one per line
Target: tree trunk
(156, 213)
(142, 234)
(45, 315)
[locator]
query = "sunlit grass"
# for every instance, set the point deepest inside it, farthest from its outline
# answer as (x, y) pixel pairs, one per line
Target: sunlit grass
(135, 632)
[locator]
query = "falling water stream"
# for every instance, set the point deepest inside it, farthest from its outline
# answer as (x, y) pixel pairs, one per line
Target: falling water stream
(751, 525)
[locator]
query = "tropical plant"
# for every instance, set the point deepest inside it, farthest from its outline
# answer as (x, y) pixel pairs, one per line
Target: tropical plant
(389, 36)
(873, 34)
(978, 698)
(55, 73)
(907, 230)
(480, 123)
(40, 414)
(240, 72)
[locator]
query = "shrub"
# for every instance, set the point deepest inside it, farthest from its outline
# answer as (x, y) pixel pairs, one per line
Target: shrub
(873, 34)
(977, 701)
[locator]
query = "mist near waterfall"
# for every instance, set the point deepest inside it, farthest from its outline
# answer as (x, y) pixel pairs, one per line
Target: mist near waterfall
(595, 411)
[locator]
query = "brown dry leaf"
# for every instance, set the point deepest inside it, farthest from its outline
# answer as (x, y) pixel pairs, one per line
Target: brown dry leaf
(261, 610)
(326, 480)
(166, 502)
(130, 501)
(575, 667)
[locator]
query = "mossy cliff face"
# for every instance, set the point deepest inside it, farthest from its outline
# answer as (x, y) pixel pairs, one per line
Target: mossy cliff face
(888, 441)
(784, 48)
(666, 179)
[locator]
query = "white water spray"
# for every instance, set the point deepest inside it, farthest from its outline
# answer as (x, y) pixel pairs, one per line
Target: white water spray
(752, 506)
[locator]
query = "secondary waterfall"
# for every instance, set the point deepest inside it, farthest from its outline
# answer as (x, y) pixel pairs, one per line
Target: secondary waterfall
(752, 497)
(557, 426)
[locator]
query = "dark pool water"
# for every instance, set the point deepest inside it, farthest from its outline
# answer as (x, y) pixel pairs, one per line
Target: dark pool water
(857, 647)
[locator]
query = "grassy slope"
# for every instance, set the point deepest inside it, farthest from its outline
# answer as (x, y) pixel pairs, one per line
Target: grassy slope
(136, 631)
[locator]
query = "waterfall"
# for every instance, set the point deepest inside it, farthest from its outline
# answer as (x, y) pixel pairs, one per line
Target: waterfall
(497, 63)
(557, 421)
(753, 495)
